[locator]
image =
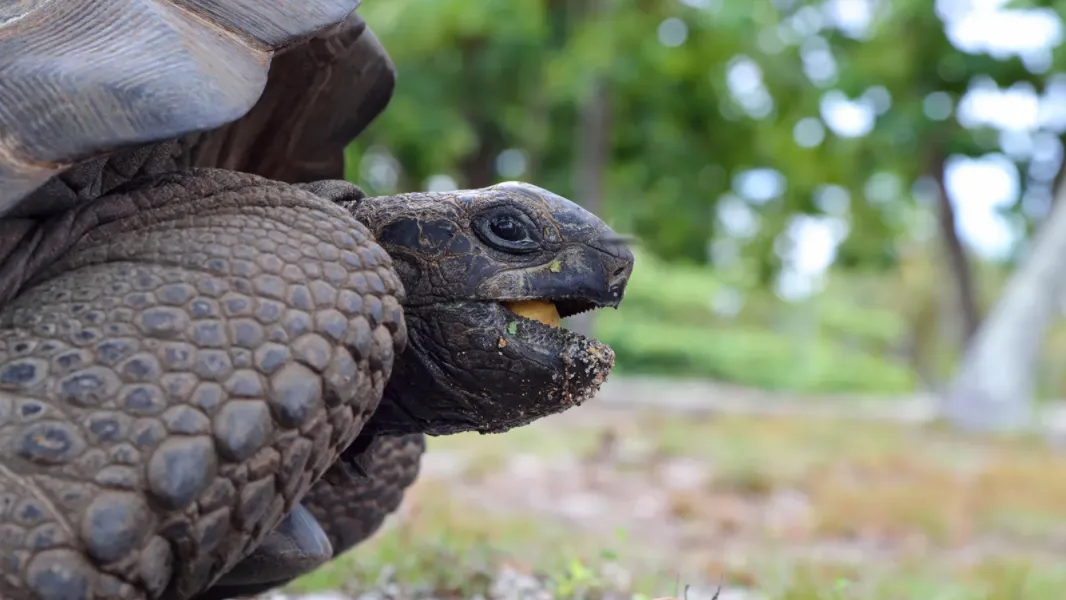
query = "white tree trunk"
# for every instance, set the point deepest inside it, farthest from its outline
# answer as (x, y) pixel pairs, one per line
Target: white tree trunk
(993, 389)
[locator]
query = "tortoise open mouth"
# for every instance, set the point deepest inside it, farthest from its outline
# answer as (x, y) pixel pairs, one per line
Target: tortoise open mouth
(549, 312)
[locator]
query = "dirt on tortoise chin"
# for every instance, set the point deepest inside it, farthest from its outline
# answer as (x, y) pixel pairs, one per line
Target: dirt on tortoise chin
(587, 365)
(586, 362)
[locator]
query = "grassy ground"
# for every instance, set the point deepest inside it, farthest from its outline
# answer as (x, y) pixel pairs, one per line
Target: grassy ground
(608, 503)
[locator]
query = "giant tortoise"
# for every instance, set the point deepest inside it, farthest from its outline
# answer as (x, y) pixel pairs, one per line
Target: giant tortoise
(218, 360)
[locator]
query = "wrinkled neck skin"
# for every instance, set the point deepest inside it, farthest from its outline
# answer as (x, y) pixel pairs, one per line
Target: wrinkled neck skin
(50, 221)
(470, 364)
(491, 389)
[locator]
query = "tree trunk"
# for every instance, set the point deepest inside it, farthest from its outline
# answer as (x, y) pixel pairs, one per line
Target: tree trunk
(958, 262)
(478, 168)
(993, 389)
(1060, 177)
(593, 147)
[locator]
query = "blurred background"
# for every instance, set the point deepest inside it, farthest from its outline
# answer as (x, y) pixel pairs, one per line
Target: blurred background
(840, 358)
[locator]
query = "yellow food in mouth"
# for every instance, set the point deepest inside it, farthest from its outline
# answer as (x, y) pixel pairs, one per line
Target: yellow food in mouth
(537, 310)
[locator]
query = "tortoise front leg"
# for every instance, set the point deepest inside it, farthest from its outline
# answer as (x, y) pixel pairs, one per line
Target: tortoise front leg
(174, 383)
(347, 506)
(351, 508)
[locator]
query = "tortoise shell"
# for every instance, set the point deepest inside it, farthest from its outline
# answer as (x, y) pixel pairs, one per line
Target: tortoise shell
(280, 87)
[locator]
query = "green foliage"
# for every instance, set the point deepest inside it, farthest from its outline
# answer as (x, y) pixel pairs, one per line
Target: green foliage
(509, 74)
(494, 90)
(667, 326)
(476, 79)
(576, 581)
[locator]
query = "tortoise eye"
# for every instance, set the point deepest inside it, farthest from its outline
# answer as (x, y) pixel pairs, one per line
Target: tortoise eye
(507, 230)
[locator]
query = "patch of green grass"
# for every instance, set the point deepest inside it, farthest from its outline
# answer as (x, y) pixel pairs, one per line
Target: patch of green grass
(668, 326)
(746, 355)
(860, 478)
(451, 551)
(909, 501)
(423, 559)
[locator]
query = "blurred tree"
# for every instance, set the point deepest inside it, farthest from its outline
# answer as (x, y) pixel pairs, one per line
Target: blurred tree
(995, 385)
(906, 53)
(711, 129)
(593, 138)
(491, 91)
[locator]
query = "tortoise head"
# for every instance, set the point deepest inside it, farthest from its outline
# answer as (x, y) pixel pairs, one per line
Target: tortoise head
(488, 274)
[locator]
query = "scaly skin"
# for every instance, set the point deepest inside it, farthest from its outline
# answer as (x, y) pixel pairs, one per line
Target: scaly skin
(174, 379)
(350, 507)
(182, 359)
(470, 363)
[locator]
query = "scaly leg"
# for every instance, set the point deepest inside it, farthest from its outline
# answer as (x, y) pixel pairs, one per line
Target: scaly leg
(350, 508)
(195, 356)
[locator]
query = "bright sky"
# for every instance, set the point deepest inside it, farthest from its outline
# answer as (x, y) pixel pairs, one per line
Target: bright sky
(977, 187)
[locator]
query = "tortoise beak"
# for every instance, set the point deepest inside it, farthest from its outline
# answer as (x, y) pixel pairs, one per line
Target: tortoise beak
(582, 277)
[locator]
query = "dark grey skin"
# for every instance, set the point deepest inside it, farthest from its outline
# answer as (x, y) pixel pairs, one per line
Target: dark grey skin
(350, 503)
(464, 369)
(184, 361)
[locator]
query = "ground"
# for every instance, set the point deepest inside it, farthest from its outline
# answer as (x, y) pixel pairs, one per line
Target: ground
(614, 500)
